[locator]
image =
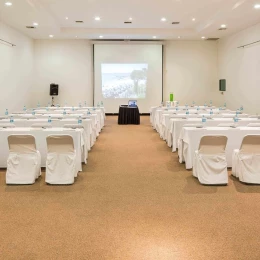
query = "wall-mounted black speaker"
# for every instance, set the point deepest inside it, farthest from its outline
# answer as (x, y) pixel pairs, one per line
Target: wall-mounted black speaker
(54, 90)
(222, 85)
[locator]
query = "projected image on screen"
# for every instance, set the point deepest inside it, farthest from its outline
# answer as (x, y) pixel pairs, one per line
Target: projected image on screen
(124, 80)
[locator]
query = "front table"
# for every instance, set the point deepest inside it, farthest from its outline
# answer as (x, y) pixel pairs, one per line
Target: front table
(128, 115)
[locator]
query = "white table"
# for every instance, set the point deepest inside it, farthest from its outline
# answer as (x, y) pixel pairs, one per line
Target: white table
(41, 144)
(176, 126)
(190, 138)
(58, 123)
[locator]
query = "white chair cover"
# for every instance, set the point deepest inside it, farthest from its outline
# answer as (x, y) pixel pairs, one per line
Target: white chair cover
(41, 125)
(246, 161)
(61, 160)
(24, 161)
(210, 165)
(254, 125)
(73, 126)
(226, 125)
(7, 125)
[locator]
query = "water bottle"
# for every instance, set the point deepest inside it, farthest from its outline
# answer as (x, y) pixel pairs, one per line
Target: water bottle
(241, 108)
(49, 119)
(204, 120)
(205, 105)
(24, 108)
(177, 108)
(193, 103)
(6, 112)
(198, 109)
(85, 103)
(47, 109)
(220, 108)
(98, 105)
(88, 112)
(49, 104)
(211, 112)
(102, 104)
(225, 105)
(187, 112)
(33, 112)
(73, 109)
(80, 120)
(235, 121)
(186, 106)
(210, 103)
(11, 119)
(64, 112)
(237, 112)
(80, 105)
(38, 105)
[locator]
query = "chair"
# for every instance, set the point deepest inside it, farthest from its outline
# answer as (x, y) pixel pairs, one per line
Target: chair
(61, 160)
(73, 126)
(226, 125)
(254, 125)
(193, 125)
(41, 125)
(7, 125)
(209, 163)
(246, 160)
(24, 161)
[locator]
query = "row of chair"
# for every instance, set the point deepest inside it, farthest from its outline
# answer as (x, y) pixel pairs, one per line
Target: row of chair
(210, 165)
(24, 160)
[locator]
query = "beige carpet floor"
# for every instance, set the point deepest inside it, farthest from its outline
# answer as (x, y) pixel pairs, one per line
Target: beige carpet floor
(133, 201)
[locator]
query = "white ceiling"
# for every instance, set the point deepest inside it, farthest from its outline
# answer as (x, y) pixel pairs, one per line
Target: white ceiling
(146, 15)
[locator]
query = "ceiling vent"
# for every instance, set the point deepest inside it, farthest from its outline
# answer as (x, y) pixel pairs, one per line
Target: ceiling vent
(175, 22)
(222, 29)
(127, 22)
(212, 39)
(30, 27)
(79, 22)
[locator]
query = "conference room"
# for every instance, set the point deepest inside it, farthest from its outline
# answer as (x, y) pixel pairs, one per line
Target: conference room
(129, 129)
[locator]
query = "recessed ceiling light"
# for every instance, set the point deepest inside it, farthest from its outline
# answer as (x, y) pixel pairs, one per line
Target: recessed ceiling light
(130, 18)
(223, 26)
(100, 36)
(67, 18)
(154, 37)
(35, 24)
(193, 19)
(257, 6)
(51, 36)
(179, 37)
(163, 19)
(203, 37)
(8, 4)
(97, 18)
(76, 36)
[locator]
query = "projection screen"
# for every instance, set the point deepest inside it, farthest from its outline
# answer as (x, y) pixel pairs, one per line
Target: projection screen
(129, 71)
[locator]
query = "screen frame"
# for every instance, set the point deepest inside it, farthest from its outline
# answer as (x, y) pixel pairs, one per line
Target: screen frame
(122, 42)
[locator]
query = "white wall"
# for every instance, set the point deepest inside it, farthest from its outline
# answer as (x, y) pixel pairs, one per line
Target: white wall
(191, 72)
(67, 63)
(16, 70)
(190, 69)
(241, 69)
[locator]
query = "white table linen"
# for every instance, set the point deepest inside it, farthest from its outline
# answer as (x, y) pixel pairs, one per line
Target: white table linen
(176, 125)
